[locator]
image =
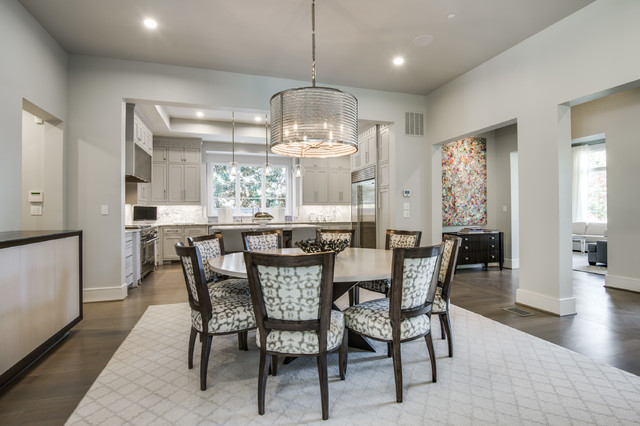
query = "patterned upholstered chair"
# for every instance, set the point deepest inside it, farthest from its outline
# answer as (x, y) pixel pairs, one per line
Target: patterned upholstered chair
(394, 239)
(211, 316)
(337, 234)
(406, 314)
(262, 240)
(443, 292)
(212, 246)
(292, 304)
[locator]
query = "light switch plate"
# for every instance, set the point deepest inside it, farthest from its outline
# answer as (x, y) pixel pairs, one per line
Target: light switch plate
(104, 210)
(406, 213)
(36, 210)
(407, 206)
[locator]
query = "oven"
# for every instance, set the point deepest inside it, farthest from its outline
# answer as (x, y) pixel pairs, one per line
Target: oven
(148, 241)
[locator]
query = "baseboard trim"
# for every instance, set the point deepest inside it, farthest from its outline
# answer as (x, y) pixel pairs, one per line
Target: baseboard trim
(622, 283)
(512, 263)
(560, 307)
(104, 294)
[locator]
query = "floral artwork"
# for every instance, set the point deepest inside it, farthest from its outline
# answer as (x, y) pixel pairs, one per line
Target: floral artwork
(464, 182)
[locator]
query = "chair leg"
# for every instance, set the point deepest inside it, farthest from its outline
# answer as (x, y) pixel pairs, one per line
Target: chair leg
(444, 318)
(243, 340)
(389, 349)
(432, 357)
(192, 344)
(442, 330)
(274, 365)
(204, 360)
(324, 384)
(397, 369)
(354, 295)
(343, 355)
(262, 380)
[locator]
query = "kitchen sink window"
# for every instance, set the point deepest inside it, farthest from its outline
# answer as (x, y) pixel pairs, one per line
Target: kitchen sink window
(249, 191)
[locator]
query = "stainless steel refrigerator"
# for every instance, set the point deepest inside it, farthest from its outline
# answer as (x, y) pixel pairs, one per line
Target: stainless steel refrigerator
(363, 206)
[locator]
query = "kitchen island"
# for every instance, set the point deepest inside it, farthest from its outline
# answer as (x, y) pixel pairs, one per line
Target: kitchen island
(41, 287)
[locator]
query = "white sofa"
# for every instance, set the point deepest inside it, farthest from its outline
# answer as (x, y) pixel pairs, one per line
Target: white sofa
(590, 231)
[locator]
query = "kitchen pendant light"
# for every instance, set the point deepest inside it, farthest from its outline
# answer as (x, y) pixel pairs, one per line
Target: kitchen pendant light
(314, 122)
(233, 166)
(298, 170)
(267, 165)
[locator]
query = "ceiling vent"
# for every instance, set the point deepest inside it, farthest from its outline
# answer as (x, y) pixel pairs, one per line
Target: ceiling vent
(414, 124)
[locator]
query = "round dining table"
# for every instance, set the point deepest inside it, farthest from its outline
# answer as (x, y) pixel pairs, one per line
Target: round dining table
(351, 265)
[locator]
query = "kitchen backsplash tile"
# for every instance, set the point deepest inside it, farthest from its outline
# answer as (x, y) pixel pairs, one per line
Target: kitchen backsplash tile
(326, 213)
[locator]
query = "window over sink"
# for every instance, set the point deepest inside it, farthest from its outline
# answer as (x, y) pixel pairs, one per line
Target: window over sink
(249, 191)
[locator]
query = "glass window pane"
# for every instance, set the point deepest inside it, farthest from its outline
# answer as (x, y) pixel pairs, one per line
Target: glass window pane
(224, 187)
(250, 187)
(597, 196)
(276, 187)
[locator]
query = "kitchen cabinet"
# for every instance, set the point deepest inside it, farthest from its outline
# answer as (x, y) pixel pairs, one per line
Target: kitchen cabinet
(128, 258)
(326, 181)
(142, 134)
(367, 150)
(176, 172)
(137, 193)
(171, 235)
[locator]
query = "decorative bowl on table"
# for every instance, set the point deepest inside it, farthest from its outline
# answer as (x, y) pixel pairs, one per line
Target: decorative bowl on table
(312, 245)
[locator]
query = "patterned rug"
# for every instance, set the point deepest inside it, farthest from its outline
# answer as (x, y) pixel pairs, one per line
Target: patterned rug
(498, 375)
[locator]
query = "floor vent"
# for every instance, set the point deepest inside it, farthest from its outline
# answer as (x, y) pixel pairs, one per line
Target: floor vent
(518, 311)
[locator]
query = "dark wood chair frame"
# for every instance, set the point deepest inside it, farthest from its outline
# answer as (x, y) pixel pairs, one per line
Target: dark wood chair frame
(444, 317)
(220, 239)
(245, 244)
(203, 305)
(397, 314)
(354, 295)
(319, 232)
(320, 325)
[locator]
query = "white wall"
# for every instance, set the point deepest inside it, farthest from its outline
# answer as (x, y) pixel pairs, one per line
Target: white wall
(95, 135)
(617, 116)
(33, 67)
(584, 55)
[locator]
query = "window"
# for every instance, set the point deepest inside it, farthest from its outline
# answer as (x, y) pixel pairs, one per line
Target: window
(590, 183)
(250, 191)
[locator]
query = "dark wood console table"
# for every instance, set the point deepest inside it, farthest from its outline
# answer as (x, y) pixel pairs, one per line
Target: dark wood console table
(480, 247)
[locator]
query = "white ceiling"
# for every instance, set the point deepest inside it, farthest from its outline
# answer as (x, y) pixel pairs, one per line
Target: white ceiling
(355, 39)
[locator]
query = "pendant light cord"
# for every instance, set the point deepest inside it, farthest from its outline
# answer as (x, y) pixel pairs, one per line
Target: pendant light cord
(266, 137)
(313, 43)
(233, 137)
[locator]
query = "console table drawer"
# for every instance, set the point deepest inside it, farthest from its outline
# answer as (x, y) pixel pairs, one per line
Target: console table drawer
(480, 248)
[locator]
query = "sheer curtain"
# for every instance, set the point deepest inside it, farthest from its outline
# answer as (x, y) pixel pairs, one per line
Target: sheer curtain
(580, 183)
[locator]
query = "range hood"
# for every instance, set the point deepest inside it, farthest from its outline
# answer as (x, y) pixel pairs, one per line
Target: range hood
(138, 162)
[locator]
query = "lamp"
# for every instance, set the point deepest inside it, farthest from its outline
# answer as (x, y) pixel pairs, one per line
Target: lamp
(267, 165)
(314, 122)
(233, 166)
(298, 170)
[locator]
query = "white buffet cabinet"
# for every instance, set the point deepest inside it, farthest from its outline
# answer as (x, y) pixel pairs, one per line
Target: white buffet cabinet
(41, 288)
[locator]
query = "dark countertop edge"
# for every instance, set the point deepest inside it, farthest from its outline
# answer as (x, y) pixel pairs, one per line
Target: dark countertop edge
(20, 238)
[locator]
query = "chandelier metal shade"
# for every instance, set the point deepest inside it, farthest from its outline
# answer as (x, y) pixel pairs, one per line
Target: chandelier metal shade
(314, 122)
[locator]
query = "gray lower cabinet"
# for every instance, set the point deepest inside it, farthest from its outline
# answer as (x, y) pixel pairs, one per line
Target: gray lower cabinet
(171, 235)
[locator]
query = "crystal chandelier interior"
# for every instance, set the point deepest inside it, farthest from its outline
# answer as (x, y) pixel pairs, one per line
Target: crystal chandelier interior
(315, 122)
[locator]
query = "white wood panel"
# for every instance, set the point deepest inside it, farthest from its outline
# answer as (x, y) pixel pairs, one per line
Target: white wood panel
(159, 182)
(10, 329)
(67, 259)
(38, 295)
(176, 183)
(192, 183)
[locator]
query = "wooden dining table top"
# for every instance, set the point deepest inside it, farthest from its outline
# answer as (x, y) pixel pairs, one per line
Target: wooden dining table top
(351, 265)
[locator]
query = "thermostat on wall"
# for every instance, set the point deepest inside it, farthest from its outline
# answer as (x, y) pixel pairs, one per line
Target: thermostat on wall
(35, 197)
(406, 192)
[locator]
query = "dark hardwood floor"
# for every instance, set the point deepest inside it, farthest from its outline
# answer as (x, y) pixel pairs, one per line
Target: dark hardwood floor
(606, 328)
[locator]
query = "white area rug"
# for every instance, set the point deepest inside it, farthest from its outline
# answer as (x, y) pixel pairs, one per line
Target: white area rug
(498, 375)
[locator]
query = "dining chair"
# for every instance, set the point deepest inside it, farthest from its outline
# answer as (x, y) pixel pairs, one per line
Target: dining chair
(337, 234)
(262, 240)
(211, 247)
(292, 304)
(406, 314)
(443, 292)
(394, 239)
(211, 316)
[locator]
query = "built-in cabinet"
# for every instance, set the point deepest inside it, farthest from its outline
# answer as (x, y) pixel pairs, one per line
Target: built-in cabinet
(171, 235)
(384, 196)
(367, 151)
(176, 173)
(142, 135)
(137, 131)
(326, 181)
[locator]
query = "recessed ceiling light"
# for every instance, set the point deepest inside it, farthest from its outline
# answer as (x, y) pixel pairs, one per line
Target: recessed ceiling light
(398, 60)
(451, 15)
(150, 23)
(200, 114)
(423, 40)
(258, 118)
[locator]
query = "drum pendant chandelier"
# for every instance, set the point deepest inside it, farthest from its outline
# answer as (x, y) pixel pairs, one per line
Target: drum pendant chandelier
(314, 122)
